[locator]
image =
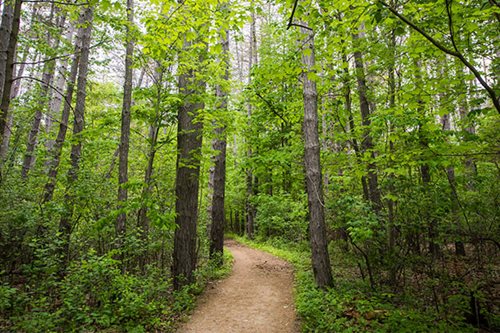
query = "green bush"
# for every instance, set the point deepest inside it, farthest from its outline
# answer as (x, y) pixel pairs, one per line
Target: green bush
(96, 294)
(281, 216)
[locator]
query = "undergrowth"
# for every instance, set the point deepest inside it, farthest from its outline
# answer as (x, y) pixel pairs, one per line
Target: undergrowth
(96, 296)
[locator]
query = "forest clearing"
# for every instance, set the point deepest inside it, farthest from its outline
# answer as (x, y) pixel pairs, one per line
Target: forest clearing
(347, 152)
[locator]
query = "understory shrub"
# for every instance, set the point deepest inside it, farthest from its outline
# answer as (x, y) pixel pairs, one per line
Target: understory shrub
(281, 216)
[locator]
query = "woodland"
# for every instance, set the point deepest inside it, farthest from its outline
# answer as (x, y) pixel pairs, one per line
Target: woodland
(358, 140)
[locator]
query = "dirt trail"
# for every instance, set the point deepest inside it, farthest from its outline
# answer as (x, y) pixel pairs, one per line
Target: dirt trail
(256, 298)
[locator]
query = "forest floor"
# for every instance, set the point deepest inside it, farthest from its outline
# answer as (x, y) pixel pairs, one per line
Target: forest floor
(256, 298)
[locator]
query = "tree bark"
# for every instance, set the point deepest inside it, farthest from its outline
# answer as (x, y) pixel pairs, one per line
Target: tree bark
(252, 60)
(142, 214)
(55, 153)
(367, 142)
(189, 140)
(125, 126)
(219, 180)
(10, 117)
(5, 30)
(455, 205)
(65, 224)
(317, 231)
(57, 98)
(391, 204)
(9, 72)
(425, 172)
(46, 81)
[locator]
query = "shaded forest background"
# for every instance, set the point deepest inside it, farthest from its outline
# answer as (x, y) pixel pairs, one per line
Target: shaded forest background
(133, 135)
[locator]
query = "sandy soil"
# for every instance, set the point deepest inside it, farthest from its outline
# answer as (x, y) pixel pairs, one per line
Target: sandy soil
(256, 298)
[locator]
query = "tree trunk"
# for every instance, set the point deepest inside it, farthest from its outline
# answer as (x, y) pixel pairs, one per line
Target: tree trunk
(189, 140)
(9, 72)
(55, 153)
(425, 172)
(47, 76)
(10, 117)
(219, 145)
(142, 219)
(252, 60)
(57, 97)
(367, 142)
(65, 224)
(125, 126)
(5, 30)
(142, 215)
(455, 205)
(391, 204)
(317, 231)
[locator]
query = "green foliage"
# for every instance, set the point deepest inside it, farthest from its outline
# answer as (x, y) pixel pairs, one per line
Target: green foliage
(280, 216)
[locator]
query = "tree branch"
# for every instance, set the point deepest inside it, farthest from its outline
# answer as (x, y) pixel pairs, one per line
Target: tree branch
(293, 13)
(300, 26)
(49, 85)
(450, 25)
(271, 107)
(58, 57)
(57, 2)
(455, 53)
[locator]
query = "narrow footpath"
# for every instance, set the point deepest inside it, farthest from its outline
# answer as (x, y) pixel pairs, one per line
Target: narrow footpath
(255, 298)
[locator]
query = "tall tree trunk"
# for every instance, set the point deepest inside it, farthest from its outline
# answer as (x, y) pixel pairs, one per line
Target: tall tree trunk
(346, 87)
(125, 126)
(189, 140)
(455, 205)
(9, 73)
(55, 153)
(142, 214)
(367, 142)
(219, 145)
(317, 231)
(391, 204)
(425, 171)
(252, 60)
(57, 96)
(47, 76)
(147, 190)
(10, 117)
(142, 218)
(464, 108)
(5, 30)
(65, 224)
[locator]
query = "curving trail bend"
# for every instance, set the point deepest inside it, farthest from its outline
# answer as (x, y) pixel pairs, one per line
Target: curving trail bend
(256, 298)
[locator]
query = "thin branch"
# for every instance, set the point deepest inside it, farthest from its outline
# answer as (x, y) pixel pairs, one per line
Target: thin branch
(175, 10)
(271, 107)
(460, 56)
(450, 24)
(455, 194)
(56, 2)
(58, 57)
(293, 13)
(64, 97)
(300, 26)
(465, 154)
(43, 61)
